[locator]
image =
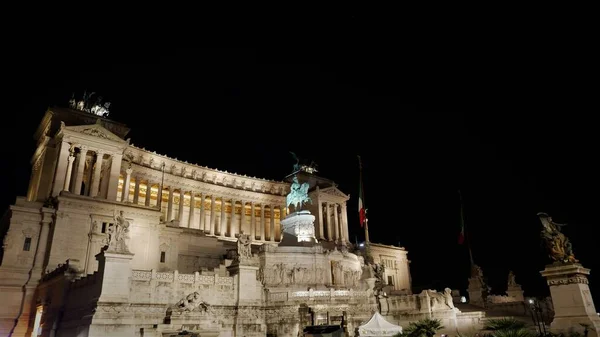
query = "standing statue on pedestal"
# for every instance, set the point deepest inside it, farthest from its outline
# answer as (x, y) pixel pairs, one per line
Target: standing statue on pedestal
(558, 245)
(511, 279)
(298, 195)
(244, 246)
(118, 234)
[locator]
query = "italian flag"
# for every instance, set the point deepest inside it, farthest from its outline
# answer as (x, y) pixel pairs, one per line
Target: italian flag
(362, 214)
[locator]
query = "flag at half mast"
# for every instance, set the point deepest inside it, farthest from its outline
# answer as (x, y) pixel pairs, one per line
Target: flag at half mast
(362, 212)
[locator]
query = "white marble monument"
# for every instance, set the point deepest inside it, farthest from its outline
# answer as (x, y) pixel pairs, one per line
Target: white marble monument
(116, 240)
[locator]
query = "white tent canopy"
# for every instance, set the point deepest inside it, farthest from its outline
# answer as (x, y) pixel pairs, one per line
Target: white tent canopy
(378, 326)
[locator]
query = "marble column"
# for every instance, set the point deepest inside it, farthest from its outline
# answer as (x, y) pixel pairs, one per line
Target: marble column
(96, 176)
(192, 204)
(113, 180)
(69, 171)
(80, 167)
(181, 206)
(202, 216)
(148, 193)
(242, 216)
(329, 229)
(252, 221)
(232, 221)
(262, 222)
(126, 185)
(136, 191)
(345, 222)
(223, 226)
(272, 229)
(64, 152)
(212, 214)
(320, 220)
(159, 194)
(170, 204)
(336, 221)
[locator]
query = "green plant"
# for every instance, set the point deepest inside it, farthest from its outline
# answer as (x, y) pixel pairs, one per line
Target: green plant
(423, 328)
(520, 332)
(504, 324)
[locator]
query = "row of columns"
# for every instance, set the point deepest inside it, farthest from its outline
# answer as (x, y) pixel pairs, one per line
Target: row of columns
(210, 225)
(72, 180)
(334, 219)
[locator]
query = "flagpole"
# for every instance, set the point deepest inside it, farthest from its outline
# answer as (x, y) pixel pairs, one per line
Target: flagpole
(366, 222)
(467, 239)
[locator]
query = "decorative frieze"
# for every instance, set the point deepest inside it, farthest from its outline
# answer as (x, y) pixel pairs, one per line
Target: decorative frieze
(571, 280)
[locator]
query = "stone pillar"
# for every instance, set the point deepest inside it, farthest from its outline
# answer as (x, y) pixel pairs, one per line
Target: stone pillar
(232, 221)
(272, 232)
(345, 233)
(262, 222)
(571, 298)
(329, 229)
(252, 221)
(67, 183)
(113, 180)
(181, 206)
(80, 168)
(212, 214)
(170, 205)
(336, 222)
(192, 204)
(64, 155)
(242, 215)
(136, 191)
(114, 269)
(159, 197)
(96, 176)
(28, 308)
(202, 216)
(223, 219)
(148, 193)
(320, 223)
(126, 184)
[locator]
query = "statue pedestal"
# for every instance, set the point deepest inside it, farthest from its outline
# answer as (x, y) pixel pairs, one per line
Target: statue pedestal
(477, 292)
(516, 292)
(298, 227)
(572, 299)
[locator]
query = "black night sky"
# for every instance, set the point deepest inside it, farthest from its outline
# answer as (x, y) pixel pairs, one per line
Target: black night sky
(511, 154)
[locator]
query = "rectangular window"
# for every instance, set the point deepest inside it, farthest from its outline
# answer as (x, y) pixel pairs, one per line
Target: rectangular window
(104, 227)
(163, 256)
(27, 244)
(390, 280)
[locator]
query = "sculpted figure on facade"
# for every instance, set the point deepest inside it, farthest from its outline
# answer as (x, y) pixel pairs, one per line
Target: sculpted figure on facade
(558, 245)
(244, 246)
(511, 279)
(191, 302)
(448, 298)
(337, 272)
(118, 234)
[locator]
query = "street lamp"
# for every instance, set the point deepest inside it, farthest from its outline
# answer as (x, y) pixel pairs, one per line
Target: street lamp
(538, 316)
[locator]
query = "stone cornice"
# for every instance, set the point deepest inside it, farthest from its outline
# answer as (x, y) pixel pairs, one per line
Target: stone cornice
(144, 157)
(95, 135)
(189, 184)
(95, 206)
(579, 279)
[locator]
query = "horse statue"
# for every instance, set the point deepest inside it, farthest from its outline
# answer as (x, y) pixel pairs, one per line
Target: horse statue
(559, 247)
(298, 195)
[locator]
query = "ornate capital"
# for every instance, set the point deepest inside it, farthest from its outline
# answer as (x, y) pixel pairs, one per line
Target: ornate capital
(128, 171)
(83, 148)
